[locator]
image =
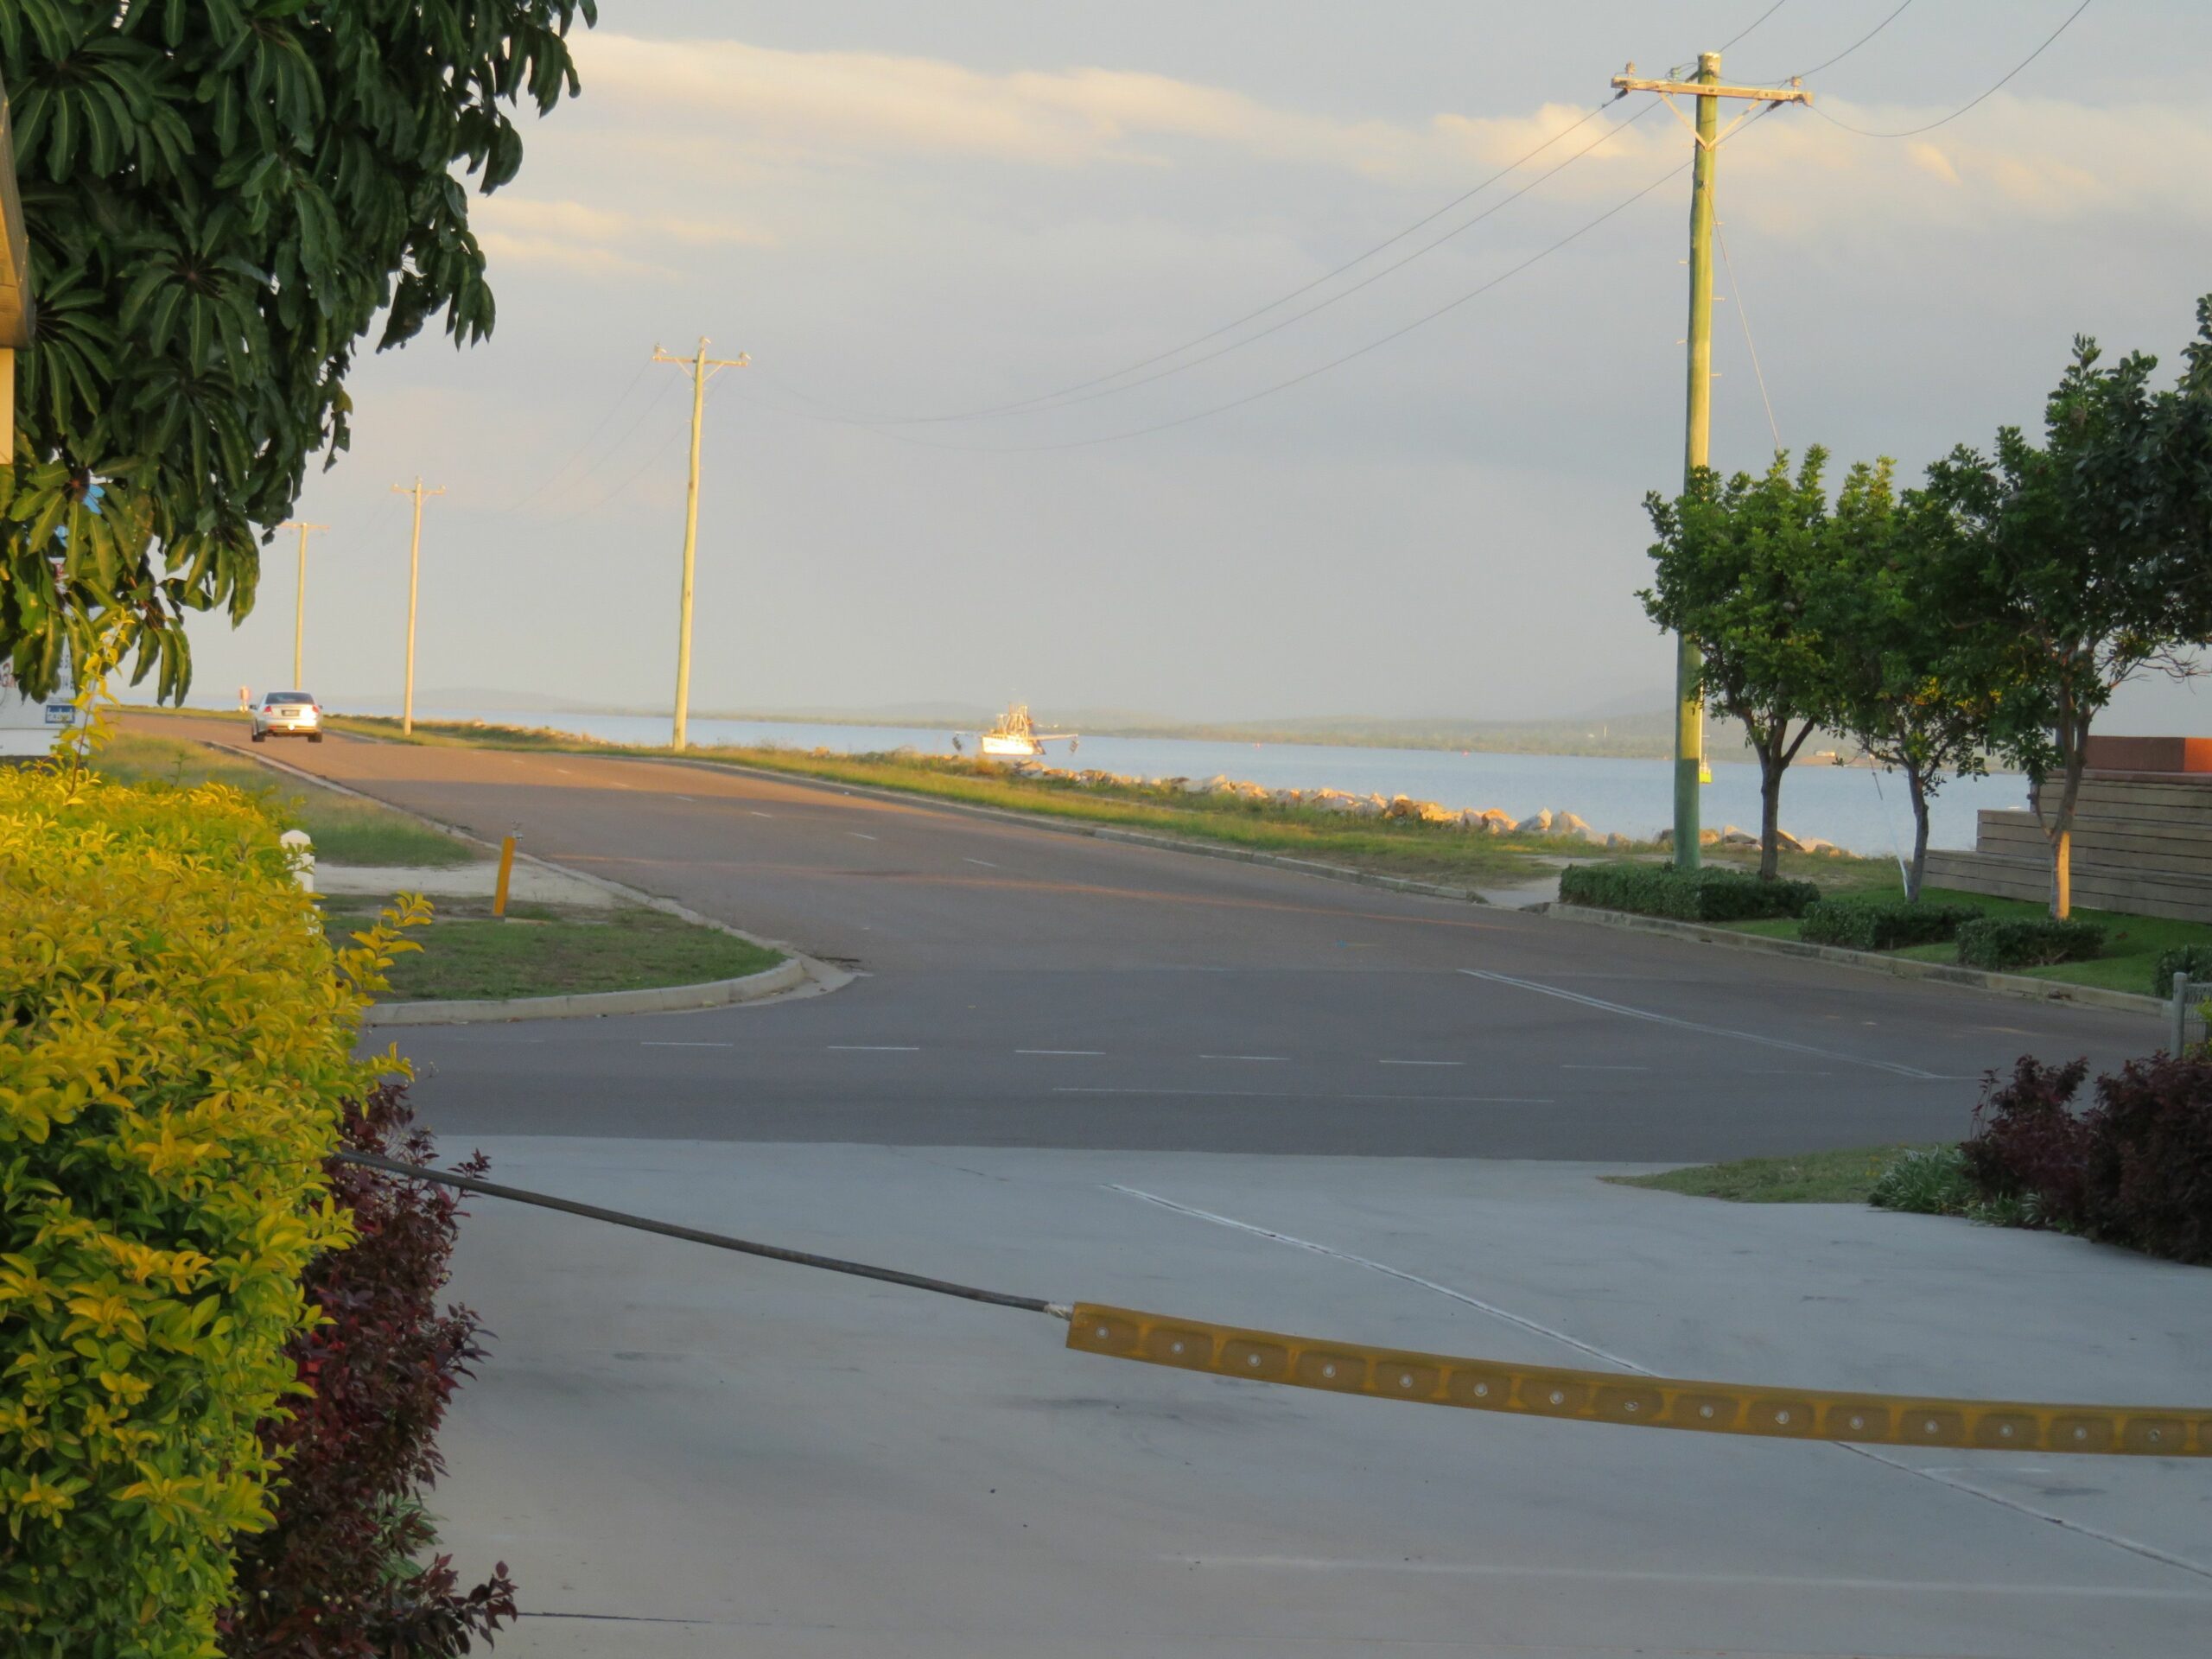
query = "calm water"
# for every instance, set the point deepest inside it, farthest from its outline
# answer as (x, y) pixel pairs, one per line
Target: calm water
(1849, 805)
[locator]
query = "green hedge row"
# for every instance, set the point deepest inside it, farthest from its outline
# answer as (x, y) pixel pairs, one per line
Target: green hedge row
(1699, 896)
(2002, 942)
(1883, 925)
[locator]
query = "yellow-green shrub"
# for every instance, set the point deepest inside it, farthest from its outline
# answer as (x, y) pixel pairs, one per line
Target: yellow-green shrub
(177, 1037)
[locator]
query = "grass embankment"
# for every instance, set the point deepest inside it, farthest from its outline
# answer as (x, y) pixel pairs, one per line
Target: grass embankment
(345, 830)
(2132, 944)
(548, 951)
(1431, 852)
(1845, 1177)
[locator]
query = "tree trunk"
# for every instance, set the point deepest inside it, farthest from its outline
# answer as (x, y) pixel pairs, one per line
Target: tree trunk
(2073, 733)
(1917, 784)
(1771, 763)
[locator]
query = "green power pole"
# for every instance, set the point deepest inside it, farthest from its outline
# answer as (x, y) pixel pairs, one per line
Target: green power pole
(1689, 700)
(1689, 662)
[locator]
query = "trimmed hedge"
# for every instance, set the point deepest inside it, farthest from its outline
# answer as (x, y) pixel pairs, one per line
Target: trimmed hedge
(2195, 960)
(176, 1038)
(1881, 924)
(1702, 896)
(2002, 942)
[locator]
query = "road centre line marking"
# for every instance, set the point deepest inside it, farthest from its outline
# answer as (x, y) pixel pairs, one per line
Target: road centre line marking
(1569, 1065)
(1790, 1581)
(1387, 1271)
(1692, 1025)
(876, 1048)
(650, 1043)
(1421, 1062)
(760, 815)
(1060, 1050)
(1277, 1094)
(1272, 1058)
(2118, 1540)
(861, 833)
(985, 862)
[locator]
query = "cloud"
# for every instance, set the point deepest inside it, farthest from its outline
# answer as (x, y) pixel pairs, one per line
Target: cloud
(594, 240)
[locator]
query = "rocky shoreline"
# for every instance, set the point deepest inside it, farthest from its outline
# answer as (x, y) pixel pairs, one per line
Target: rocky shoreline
(1547, 824)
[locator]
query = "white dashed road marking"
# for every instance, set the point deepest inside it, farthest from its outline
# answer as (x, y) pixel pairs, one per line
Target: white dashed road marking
(1061, 1051)
(874, 1048)
(985, 862)
(1274, 1058)
(1421, 1062)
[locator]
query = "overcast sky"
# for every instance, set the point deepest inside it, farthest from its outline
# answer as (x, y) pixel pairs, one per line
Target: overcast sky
(914, 211)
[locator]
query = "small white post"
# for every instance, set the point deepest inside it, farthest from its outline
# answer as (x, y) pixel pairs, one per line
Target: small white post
(299, 846)
(2180, 1015)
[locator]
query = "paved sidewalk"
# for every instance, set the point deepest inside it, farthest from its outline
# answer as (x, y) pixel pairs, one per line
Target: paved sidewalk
(683, 1454)
(530, 883)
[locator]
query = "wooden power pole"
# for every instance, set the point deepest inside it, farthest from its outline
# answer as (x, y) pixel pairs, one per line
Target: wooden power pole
(299, 601)
(1707, 90)
(704, 368)
(414, 584)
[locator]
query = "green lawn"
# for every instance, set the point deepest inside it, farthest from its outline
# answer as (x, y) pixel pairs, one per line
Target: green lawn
(1846, 1177)
(542, 950)
(345, 829)
(2132, 944)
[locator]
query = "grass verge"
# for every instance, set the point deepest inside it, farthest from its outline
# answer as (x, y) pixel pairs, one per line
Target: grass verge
(547, 951)
(2132, 944)
(1844, 1176)
(345, 830)
(1441, 853)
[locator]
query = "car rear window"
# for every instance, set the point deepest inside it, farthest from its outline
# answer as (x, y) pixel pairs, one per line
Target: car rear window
(290, 696)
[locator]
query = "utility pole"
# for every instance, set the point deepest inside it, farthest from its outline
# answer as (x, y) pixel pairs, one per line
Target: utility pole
(1689, 697)
(300, 599)
(704, 368)
(414, 583)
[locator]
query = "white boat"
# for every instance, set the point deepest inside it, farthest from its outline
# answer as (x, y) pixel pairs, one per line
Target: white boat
(1016, 737)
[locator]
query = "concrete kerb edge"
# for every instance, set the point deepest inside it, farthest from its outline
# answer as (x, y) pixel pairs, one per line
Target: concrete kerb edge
(1973, 979)
(1067, 827)
(785, 975)
(811, 975)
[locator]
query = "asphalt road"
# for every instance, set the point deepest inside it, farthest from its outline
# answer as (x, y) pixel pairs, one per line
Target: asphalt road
(1080, 1069)
(1028, 988)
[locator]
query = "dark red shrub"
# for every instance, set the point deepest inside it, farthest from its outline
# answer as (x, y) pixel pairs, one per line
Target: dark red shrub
(2027, 1140)
(347, 1571)
(2149, 1172)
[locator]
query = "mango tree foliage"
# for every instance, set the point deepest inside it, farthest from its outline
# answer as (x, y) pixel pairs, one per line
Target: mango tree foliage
(221, 196)
(1734, 569)
(1907, 684)
(2086, 560)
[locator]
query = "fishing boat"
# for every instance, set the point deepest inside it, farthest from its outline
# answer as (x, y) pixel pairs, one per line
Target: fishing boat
(1016, 737)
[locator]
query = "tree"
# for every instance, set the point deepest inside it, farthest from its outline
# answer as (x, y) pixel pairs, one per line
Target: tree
(2086, 562)
(1734, 570)
(1905, 685)
(220, 197)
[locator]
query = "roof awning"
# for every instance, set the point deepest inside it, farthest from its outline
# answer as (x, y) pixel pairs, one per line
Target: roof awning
(17, 312)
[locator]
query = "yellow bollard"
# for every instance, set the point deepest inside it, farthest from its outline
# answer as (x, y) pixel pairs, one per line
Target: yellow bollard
(506, 869)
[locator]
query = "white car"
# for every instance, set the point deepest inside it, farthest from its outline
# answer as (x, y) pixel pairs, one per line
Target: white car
(287, 713)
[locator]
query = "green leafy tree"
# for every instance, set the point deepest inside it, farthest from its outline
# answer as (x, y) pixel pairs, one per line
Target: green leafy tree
(2085, 561)
(1735, 568)
(1906, 683)
(221, 196)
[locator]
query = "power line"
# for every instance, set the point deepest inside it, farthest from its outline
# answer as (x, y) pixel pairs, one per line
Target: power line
(1337, 362)
(1754, 23)
(1373, 276)
(1068, 392)
(615, 448)
(1736, 293)
(1855, 45)
(560, 468)
(1908, 132)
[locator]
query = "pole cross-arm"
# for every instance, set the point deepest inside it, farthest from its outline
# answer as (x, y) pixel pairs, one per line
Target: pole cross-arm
(1765, 97)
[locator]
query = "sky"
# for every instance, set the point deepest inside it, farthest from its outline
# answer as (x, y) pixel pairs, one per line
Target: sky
(905, 213)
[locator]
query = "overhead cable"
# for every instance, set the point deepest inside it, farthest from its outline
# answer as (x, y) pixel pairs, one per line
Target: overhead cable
(1909, 132)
